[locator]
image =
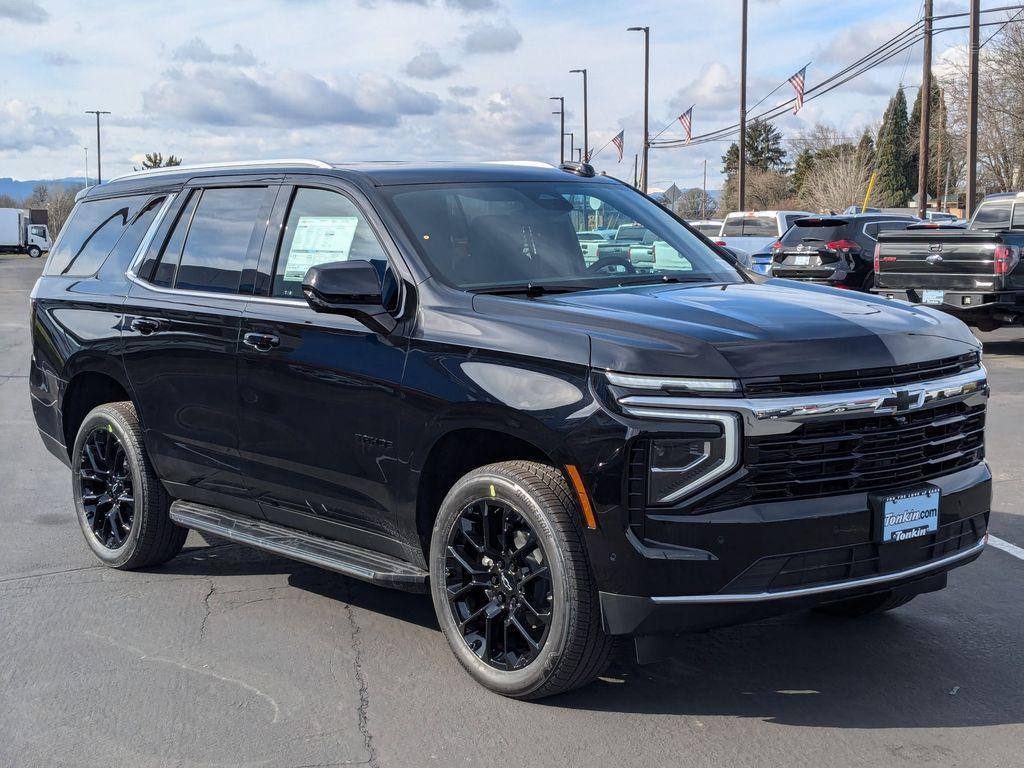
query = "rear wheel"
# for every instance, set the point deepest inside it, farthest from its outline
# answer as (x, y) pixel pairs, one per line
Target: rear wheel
(868, 605)
(122, 506)
(511, 583)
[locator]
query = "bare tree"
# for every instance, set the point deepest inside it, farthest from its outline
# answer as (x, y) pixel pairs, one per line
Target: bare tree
(61, 201)
(836, 181)
(689, 204)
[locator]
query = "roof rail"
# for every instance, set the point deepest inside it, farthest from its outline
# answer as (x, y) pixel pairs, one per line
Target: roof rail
(230, 164)
(521, 163)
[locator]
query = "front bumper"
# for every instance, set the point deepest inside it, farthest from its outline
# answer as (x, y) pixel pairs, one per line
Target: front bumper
(722, 557)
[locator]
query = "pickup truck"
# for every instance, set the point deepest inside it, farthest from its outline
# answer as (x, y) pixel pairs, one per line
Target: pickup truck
(755, 232)
(972, 273)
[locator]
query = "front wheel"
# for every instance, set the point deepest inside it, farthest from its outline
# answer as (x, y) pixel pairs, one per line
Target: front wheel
(34, 252)
(122, 506)
(511, 583)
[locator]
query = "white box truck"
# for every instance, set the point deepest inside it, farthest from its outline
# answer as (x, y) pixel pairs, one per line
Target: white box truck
(19, 235)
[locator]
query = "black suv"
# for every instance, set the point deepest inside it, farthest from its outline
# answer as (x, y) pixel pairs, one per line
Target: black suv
(409, 374)
(835, 250)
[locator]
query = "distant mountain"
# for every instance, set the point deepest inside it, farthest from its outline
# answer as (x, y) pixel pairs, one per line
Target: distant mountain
(22, 189)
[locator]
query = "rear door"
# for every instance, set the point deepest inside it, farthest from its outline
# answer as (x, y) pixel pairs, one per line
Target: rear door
(181, 336)
(809, 249)
(320, 397)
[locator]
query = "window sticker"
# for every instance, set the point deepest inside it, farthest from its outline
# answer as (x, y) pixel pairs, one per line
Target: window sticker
(318, 240)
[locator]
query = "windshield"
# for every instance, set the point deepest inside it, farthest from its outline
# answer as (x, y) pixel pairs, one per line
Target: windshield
(751, 226)
(509, 235)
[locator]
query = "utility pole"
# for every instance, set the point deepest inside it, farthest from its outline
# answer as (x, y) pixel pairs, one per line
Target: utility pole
(647, 99)
(86, 165)
(561, 134)
(99, 166)
(704, 193)
(972, 108)
(586, 135)
(741, 175)
(941, 119)
(926, 114)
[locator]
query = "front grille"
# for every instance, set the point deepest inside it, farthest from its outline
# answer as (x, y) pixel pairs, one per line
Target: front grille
(828, 566)
(866, 378)
(858, 454)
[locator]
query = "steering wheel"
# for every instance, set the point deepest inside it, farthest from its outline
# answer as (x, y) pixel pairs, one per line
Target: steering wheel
(607, 261)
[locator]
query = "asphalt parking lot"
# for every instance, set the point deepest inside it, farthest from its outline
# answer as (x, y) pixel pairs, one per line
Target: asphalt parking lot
(228, 657)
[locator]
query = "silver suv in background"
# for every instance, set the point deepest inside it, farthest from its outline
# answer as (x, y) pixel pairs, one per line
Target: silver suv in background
(755, 232)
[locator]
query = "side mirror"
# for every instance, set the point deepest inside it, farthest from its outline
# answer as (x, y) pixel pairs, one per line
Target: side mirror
(354, 289)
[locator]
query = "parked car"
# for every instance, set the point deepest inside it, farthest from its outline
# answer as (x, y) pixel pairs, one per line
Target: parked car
(589, 242)
(408, 374)
(709, 227)
(836, 250)
(973, 273)
(20, 234)
(753, 231)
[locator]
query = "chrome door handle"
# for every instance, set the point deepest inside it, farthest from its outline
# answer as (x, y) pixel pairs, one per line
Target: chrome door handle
(261, 342)
(145, 325)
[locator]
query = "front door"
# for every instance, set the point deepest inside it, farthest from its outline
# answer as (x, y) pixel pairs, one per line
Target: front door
(181, 338)
(319, 392)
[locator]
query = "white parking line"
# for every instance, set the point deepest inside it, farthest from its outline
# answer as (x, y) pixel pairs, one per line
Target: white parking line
(1006, 546)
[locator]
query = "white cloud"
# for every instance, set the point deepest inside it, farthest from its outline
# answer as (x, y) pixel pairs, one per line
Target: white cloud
(491, 38)
(24, 127)
(198, 51)
(428, 66)
(24, 11)
(210, 95)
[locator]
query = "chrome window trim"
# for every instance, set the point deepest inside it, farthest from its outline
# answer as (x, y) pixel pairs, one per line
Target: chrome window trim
(779, 415)
(758, 597)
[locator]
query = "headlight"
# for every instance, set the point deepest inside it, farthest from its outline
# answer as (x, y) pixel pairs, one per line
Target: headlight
(679, 466)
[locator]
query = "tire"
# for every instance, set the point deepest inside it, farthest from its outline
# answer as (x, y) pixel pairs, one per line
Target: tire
(573, 650)
(34, 252)
(869, 282)
(869, 605)
(150, 538)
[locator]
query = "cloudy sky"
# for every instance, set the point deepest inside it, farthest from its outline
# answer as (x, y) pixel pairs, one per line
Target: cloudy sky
(414, 79)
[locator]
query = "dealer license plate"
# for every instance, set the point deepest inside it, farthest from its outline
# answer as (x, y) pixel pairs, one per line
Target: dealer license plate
(909, 515)
(933, 297)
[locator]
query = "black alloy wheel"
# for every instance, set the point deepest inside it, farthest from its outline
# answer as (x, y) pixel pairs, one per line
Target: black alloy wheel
(106, 488)
(498, 584)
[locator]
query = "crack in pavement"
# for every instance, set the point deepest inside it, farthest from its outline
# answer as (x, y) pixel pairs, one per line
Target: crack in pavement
(206, 607)
(364, 693)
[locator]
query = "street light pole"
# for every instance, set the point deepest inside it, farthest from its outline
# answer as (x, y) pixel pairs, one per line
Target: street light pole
(647, 100)
(741, 177)
(572, 144)
(926, 114)
(99, 167)
(561, 134)
(86, 165)
(586, 135)
(972, 107)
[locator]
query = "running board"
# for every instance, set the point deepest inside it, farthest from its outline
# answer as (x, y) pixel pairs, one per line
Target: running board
(350, 560)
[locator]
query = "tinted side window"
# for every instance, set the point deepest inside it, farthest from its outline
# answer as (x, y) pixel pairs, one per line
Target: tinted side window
(91, 233)
(218, 239)
(120, 257)
(169, 257)
(992, 216)
(322, 226)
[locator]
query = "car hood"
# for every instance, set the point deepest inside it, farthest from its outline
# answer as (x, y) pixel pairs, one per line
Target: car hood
(772, 328)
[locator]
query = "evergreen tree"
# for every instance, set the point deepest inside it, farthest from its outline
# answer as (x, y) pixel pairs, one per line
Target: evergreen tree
(893, 186)
(764, 147)
(866, 149)
(914, 139)
(803, 167)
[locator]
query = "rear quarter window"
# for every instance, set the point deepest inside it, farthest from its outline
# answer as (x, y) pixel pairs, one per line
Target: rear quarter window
(992, 216)
(93, 230)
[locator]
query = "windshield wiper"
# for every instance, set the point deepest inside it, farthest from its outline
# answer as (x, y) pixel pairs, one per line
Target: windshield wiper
(531, 289)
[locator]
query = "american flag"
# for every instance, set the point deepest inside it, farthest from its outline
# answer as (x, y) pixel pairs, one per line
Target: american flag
(797, 81)
(686, 120)
(618, 142)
